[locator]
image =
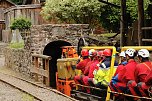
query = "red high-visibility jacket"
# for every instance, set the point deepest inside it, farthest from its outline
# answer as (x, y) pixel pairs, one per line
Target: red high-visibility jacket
(93, 66)
(148, 79)
(119, 68)
(81, 65)
(87, 68)
(142, 70)
(127, 73)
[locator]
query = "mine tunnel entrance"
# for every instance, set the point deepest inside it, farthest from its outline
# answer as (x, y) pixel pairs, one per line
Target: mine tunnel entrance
(54, 50)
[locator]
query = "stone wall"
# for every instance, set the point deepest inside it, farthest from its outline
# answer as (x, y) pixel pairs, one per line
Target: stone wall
(41, 35)
(18, 60)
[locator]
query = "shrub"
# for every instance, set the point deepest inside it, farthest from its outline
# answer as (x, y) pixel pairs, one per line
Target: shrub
(21, 24)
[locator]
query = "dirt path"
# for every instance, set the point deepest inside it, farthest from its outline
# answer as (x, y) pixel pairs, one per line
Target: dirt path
(2, 60)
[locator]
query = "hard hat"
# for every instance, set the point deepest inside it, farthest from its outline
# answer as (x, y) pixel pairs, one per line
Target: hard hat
(92, 52)
(143, 53)
(122, 54)
(130, 52)
(107, 52)
(84, 52)
(100, 53)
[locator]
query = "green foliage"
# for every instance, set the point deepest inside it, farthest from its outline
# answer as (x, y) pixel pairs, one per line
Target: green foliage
(16, 45)
(73, 11)
(110, 16)
(18, 2)
(21, 24)
(91, 12)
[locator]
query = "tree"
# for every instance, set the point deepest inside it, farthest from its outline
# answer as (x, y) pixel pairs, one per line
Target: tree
(110, 16)
(91, 12)
(73, 11)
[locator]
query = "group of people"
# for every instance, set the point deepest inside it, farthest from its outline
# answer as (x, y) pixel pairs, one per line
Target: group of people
(133, 76)
(94, 66)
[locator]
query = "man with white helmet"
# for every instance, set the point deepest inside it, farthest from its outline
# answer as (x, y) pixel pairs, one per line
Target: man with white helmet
(141, 71)
(92, 54)
(120, 67)
(88, 70)
(122, 56)
(127, 73)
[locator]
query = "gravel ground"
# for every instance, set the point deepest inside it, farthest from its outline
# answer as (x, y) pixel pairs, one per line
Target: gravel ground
(8, 93)
(41, 93)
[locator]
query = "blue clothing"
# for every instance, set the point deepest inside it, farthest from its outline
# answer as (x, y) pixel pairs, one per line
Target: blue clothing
(115, 79)
(107, 63)
(124, 62)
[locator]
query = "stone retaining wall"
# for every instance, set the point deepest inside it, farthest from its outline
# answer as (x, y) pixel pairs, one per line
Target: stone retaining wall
(18, 60)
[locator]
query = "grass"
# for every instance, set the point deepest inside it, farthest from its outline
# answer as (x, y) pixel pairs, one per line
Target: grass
(108, 34)
(16, 45)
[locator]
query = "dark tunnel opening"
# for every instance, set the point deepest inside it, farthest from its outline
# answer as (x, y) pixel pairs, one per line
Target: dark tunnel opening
(54, 50)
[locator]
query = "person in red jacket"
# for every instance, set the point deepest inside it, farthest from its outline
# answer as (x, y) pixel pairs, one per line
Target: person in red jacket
(101, 56)
(92, 54)
(122, 56)
(98, 59)
(127, 73)
(81, 65)
(144, 86)
(120, 67)
(141, 71)
(90, 66)
(148, 79)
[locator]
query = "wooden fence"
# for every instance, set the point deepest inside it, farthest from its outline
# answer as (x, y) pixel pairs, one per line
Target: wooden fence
(31, 12)
(44, 72)
(6, 36)
(2, 26)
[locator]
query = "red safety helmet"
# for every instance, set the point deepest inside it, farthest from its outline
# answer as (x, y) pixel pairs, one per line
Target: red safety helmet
(94, 53)
(84, 52)
(107, 52)
(100, 53)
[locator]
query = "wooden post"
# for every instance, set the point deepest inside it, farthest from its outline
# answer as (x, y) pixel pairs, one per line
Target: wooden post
(36, 67)
(39, 71)
(47, 79)
(140, 21)
(123, 24)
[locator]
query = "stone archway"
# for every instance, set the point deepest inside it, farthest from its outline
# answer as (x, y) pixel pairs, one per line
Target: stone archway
(53, 49)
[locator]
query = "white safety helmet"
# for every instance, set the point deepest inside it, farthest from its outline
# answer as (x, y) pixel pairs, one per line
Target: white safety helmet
(143, 53)
(130, 52)
(91, 51)
(122, 54)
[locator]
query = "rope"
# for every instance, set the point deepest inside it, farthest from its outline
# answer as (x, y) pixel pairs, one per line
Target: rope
(131, 95)
(149, 91)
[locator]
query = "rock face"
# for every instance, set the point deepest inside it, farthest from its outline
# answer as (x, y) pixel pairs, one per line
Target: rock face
(20, 59)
